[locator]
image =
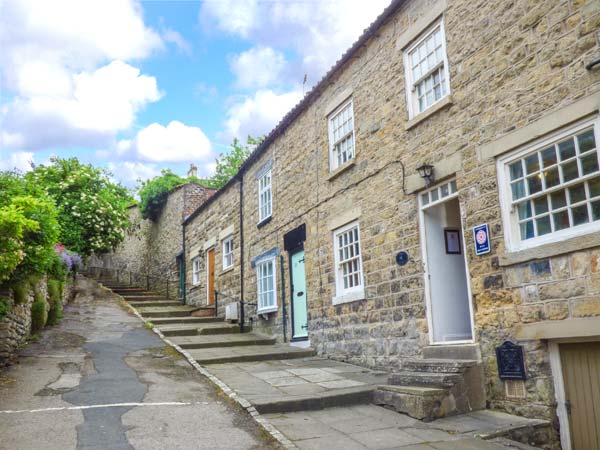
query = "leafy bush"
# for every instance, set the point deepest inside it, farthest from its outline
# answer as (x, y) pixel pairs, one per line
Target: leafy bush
(154, 192)
(55, 293)
(55, 313)
(4, 307)
(20, 291)
(55, 288)
(39, 313)
(91, 208)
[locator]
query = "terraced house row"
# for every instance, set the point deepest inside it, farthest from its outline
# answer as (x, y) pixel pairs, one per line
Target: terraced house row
(435, 195)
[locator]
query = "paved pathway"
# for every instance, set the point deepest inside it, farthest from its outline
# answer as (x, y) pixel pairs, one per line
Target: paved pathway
(101, 381)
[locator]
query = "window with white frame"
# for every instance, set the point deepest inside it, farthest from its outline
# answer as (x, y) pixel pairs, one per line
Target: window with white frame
(551, 190)
(341, 135)
(227, 252)
(348, 262)
(196, 270)
(264, 196)
(426, 66)
(266, 289)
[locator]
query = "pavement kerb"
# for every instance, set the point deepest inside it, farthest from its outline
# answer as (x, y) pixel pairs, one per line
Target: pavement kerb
(262, 421)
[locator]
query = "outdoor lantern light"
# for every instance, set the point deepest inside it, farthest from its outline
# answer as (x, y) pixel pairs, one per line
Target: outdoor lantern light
(426, 172)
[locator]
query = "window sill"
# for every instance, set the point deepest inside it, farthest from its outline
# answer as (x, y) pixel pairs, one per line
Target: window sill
(347, 166)
(446, 101)
(541, 251)
(348, 298)
(227, 269)
(270, 309)
(263, 222)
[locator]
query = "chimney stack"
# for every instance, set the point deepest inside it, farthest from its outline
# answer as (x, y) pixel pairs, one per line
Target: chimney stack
(193, 172)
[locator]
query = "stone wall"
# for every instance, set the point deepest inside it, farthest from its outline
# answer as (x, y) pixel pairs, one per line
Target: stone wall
(15, 326)
(511, 65)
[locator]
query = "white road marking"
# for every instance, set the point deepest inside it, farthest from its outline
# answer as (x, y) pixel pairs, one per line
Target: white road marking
(111, 405)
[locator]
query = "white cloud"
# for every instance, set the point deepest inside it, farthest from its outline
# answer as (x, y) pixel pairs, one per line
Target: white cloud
(173, 37)
(258, 67)
(97, 105)
(318, 32)
(130, 173)
(174, 143)
(63, 70)
(258, 114)
(17, 161)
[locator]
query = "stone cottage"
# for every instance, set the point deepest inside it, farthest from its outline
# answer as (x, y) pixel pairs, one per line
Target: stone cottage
(435, 195)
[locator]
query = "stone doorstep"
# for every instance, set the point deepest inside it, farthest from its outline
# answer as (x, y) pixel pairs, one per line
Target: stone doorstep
(439, 380)
(423, 403)
(438, 365)
(184, 320)
(249, 354)
(235, 340)
(323, 400)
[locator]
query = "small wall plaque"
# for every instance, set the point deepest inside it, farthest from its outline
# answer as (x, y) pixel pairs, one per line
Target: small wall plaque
(481, 235)
(402, 258)
(511, 362)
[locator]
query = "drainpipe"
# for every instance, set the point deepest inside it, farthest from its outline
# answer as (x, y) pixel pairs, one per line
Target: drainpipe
(283, 309)
(183, 263)
(242, 252)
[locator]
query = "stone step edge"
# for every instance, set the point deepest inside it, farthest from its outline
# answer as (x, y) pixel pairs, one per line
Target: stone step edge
(280, 355)
(225, 344)
(423, 391)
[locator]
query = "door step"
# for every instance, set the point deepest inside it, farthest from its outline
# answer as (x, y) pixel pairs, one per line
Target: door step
(211, 341)
(423, 403)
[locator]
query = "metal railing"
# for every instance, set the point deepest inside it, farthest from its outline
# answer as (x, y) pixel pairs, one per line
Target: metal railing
(162, 284)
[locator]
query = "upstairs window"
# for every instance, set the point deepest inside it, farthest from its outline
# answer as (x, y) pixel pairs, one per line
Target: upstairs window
(551, 190)
(196, 270)
(426, 66)
(266, 292)
(341, 135)
(227, 252)
(348, 262)
(264, 196)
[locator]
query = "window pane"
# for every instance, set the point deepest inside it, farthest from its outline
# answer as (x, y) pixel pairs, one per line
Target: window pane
(552, 178)
(445, 191)
(594, 186)
(516, 170)
(453, 186)
(596, 210)
(425, 198)
(580, 215)
(534, 184)
(524, 210)
(558, 200)
(543, 225)
(589, 163)
(532, 163)
(586, 141)
(561, 220)
(566, 149)
(527, 230)
(570, 171)
(541, 205)
(434, 195)
(549, 156)
(577, 193)
(518, 189)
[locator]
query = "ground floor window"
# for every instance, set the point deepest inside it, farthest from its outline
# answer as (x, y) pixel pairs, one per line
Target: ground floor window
(266, 289)
(348, 262)
(196, 270)
(227, 252)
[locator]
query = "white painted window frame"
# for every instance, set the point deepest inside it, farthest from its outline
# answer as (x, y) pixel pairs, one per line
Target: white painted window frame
(346, 295)
(196, 270)
(412, 99)
(512, 239)
(265, 208)
(333, 165)
(227, 251)
(261, 307)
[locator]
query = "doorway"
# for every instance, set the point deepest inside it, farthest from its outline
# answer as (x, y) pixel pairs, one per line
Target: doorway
(210, 277)
(446, 284)
(299, 307)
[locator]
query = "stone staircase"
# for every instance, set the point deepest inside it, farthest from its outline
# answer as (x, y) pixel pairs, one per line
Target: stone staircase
(448, 380)
(197, 330)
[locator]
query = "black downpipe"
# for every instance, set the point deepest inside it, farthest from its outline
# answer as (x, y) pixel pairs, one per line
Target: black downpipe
(242, 318)
(284, 311)
(183, 258)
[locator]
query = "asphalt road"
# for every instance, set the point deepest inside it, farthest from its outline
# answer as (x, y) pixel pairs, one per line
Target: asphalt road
(101, 381)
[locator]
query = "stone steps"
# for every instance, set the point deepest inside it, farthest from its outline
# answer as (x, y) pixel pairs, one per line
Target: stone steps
(172, 311)
(216, 340)
(249, 353)
(184, 320)
(199, 329)
(426, 379)
(154, 304)
(438, 365)
(423, 403)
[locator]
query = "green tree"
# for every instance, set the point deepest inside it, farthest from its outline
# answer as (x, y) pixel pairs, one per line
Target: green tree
(92, 209)
(154, 192)
(230, 162)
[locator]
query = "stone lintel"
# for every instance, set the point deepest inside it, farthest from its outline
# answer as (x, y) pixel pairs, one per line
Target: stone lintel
(548, 123)
(442, 169)
(415, 30)
(559, 329)
(344, 218)
(339, 98)
(212, 242)
(226, 232)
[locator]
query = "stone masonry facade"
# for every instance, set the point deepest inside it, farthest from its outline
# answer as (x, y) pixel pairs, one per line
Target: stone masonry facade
(516, 71)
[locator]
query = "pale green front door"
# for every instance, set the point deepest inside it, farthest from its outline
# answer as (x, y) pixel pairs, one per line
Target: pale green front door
(299, 312)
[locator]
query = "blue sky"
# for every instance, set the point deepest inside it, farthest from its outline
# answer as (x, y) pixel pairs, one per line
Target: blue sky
(141, 86)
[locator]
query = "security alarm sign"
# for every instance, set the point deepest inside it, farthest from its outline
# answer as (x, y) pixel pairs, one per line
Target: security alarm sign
(481, 234)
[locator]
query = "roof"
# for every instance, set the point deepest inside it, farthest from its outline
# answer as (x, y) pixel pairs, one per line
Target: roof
(308, 100)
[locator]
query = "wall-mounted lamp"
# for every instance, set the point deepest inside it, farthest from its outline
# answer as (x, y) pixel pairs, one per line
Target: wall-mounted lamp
(426, 172)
